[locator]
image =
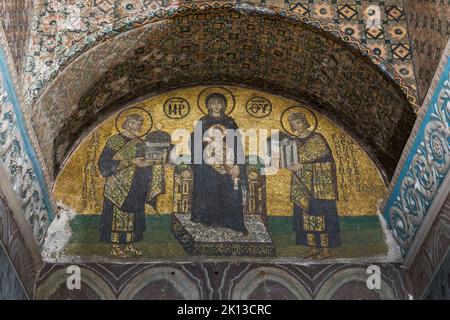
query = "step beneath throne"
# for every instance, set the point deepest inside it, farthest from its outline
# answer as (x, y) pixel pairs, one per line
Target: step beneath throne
(198, 239)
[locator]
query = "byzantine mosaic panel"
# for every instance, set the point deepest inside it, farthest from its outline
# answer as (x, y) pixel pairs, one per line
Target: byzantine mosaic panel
(220, 281)
(279, 56)
(429, 29)
(63, 29)
(346, 186)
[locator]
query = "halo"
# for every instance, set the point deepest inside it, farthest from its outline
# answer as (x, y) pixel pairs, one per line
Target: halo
(201, 100)
(146, 125)
(286, 113)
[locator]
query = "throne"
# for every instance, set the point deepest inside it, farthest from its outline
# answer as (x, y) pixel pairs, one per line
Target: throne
(198, 239)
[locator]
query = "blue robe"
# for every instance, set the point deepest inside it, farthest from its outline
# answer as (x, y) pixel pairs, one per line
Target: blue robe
(214, 201)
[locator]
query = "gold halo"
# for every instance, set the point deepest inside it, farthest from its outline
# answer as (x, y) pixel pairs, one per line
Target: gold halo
(146, 125)
(201, 100)
(310, 115)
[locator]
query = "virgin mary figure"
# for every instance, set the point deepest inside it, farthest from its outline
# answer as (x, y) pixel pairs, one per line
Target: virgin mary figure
(217, 195)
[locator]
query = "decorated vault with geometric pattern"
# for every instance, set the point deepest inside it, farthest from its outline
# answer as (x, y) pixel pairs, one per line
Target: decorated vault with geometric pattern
(94, 98)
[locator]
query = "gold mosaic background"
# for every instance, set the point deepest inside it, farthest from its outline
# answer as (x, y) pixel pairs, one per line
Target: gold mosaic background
(360, 184)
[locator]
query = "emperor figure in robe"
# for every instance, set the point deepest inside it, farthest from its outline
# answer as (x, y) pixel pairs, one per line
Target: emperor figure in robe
(131, 182)
(314, 191)
(217, 195)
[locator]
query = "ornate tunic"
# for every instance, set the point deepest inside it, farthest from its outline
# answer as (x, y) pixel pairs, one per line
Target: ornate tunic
(314, 193)
(127, 189)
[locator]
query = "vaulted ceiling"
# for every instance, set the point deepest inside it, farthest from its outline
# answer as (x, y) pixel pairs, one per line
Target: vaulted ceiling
(226, 44)
(80, 61)
(429, 28)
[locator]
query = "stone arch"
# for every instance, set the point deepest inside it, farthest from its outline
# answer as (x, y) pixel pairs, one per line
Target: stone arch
(254, 278)
(90, 36)
(180, 282)
(57, 279)
(339, 279)
(311, 65)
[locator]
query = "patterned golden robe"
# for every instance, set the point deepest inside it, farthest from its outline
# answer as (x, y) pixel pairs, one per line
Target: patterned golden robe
(127, 189)
(314, 193)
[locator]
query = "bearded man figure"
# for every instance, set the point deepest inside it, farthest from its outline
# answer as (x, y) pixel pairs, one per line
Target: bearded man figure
(314, 191)
(129, 180)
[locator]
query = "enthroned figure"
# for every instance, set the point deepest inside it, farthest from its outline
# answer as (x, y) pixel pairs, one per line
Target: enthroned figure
(314, 191)
(130, 179)
(217, 189)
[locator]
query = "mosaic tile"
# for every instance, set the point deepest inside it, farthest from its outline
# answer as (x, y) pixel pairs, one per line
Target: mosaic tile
(15, 19)
(424, 165)
(429, 25)
(312, 66)
(54, 43)
(203, 210)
